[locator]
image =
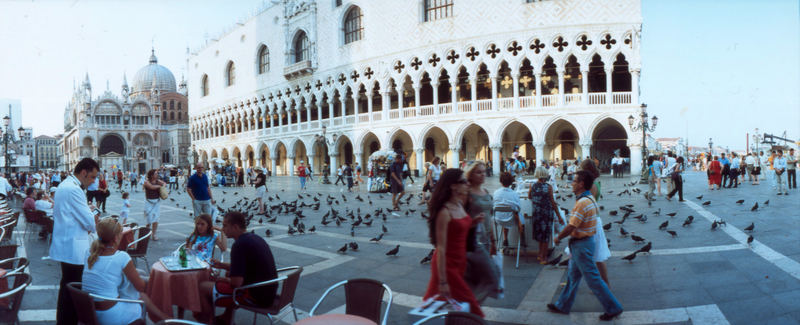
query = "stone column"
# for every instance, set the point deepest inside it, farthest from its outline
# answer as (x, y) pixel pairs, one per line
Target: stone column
(334, 163)
(386, 104)
(319, 112)
(311, 163)
(355, 107)
(359, 160)
(585, 86)
(399, 90)
(420, 161)
(290, 164)
(540, 157)
(609, 70)
(635, 87)
(473, 92)
(586, 147)
(493, 78)
(538, 96)
(496, 158)
(416, 97)
(636, 159)
(369, 106)
(454, 157)
(561, 101)
(515, 77)
(273, 157)
(308, 114)
(342, 102)
(435, 87)
(454, 94)
(330, 111)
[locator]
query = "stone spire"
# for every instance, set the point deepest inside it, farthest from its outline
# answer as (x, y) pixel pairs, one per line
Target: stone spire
(86, 82)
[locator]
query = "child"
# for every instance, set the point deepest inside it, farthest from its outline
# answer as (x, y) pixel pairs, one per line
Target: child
(126, 207)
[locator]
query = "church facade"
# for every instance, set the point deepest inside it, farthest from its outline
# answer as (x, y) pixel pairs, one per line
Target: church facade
(129, 130)
(332, 81)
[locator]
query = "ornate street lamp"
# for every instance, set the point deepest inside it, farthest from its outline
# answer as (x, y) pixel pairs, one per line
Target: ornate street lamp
(711, 147)
(645, 127)
(6, 135)
(756, 140)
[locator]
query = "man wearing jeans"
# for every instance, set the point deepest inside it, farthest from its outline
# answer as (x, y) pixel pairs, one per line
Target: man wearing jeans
(581, 229)
(199, 190)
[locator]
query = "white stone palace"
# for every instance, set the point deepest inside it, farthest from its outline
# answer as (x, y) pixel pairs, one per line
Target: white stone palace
(335, 80)
(142, 128)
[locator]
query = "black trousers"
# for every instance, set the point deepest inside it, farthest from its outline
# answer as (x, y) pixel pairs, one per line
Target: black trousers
(65, 314)
(339, 179)
(733, 178)
(726, 170)
(791, 179)
(677, 187)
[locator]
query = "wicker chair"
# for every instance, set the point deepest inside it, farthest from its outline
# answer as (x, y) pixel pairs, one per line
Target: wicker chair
(14, 295)
(289, 277)
(363, 298)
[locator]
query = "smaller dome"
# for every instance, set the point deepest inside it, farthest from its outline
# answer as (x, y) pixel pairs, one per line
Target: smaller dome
(164, 80)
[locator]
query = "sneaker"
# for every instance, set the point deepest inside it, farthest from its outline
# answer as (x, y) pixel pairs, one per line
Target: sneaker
(553, 309)
(608, 317)
(779, 193)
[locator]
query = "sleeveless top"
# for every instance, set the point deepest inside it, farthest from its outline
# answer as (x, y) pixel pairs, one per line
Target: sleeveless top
(482, 203)
(203, 246)
(151, 194)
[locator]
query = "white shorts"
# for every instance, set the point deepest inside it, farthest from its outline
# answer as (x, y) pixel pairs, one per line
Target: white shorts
(261, 193)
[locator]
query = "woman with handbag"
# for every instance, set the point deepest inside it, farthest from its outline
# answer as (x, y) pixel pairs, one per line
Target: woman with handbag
(483, 275)
(449, 226)
(152, 205)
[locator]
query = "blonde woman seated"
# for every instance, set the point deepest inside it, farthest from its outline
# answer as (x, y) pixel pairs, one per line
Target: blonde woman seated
(110, 273)
(201, 242)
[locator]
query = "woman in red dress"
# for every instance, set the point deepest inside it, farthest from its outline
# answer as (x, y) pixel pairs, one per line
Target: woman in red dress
(449, 226)
(715, 173)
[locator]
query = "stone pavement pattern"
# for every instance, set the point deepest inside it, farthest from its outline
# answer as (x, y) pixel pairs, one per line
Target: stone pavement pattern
(699, 277)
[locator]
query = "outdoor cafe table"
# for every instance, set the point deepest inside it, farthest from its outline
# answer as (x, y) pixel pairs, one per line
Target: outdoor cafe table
(127, 238)
(182, 288)
(335, 319)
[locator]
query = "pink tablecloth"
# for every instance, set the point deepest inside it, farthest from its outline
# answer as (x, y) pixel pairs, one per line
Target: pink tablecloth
(335, 319)
(182, 289)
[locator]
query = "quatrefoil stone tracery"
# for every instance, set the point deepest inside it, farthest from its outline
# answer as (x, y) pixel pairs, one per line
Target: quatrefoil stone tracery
(452, 57)
(472, 54)
(514, 48)
(492, 51)
(415, 63)
(434, 60)
(537, 46)
(584, 42)
(608, 41)
(560, 44)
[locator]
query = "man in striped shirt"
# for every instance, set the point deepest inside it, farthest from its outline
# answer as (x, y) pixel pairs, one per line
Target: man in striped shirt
(581, 229)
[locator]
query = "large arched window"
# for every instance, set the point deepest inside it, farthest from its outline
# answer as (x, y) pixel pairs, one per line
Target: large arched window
(353, 30)
(230, 74)
(300, 47)
(204, 85)
(263, 59)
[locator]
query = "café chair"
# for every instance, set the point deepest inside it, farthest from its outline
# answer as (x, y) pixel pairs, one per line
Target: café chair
(138, 248)
(454, 318)
(18, 281)
(504, 216)
(288, 277)
(84, 304)
(178, 321)
(14, 265)
(32, 218)
(8, 225)
(363, 298)
(7, 250)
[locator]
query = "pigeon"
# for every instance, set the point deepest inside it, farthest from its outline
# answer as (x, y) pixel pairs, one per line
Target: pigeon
(607, 226)
(343, 249)
(766, 202)
(643, 219)
(714, 225)
(657, 213)
(740, 202)
(663, 225)
(312, 229)
(394, 251)
(749, 239)
(353, 246)
(707, 203)
(377, 238)
(623, 232)
(750, 227)
(688, 221)
(291, 230)
(755, 207)
(630, 257)
(637, 238)
(672, 214)
(427, 258)
(269, 233)
(612, 212)
(646, 248)
(699, 197)
(383, 227)
(555, 261)
(673, 233)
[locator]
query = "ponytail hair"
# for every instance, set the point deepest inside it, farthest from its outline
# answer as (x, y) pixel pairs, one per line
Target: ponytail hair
(107, 230)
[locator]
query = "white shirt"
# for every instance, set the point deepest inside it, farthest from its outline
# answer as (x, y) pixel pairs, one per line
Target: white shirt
(671, 162)
(46, 206)
(750, 160)
(5, 186)
(72, 223)
(779, 163)
(764, 160)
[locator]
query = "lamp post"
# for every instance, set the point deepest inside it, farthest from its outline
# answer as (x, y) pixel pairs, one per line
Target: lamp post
(645, 127)
(711, 147)
(6, 135)
(756, 140)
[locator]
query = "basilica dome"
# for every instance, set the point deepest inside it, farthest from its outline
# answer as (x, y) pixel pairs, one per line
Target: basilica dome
(143, 80)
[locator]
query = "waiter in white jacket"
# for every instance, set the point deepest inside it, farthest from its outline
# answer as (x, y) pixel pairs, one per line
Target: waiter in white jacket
(73, 221)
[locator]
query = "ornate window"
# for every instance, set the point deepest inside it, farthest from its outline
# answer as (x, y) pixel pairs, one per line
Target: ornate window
(180, 106)
(171, 104)
(230, 74)
(301, 47)
(338, 3)
(263, 59)
(438, 9)
(353, 30)
(204, 85)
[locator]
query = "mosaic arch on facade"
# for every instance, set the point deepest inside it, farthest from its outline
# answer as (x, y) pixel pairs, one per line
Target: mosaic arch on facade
(541, 87)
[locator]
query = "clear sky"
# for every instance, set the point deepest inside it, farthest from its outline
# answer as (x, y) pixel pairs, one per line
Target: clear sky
(710, 68)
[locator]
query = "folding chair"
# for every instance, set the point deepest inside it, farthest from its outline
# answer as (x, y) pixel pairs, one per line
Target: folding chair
(504, 216)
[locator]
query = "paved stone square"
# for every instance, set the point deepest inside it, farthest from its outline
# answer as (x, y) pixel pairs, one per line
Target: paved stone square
(702, 276)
